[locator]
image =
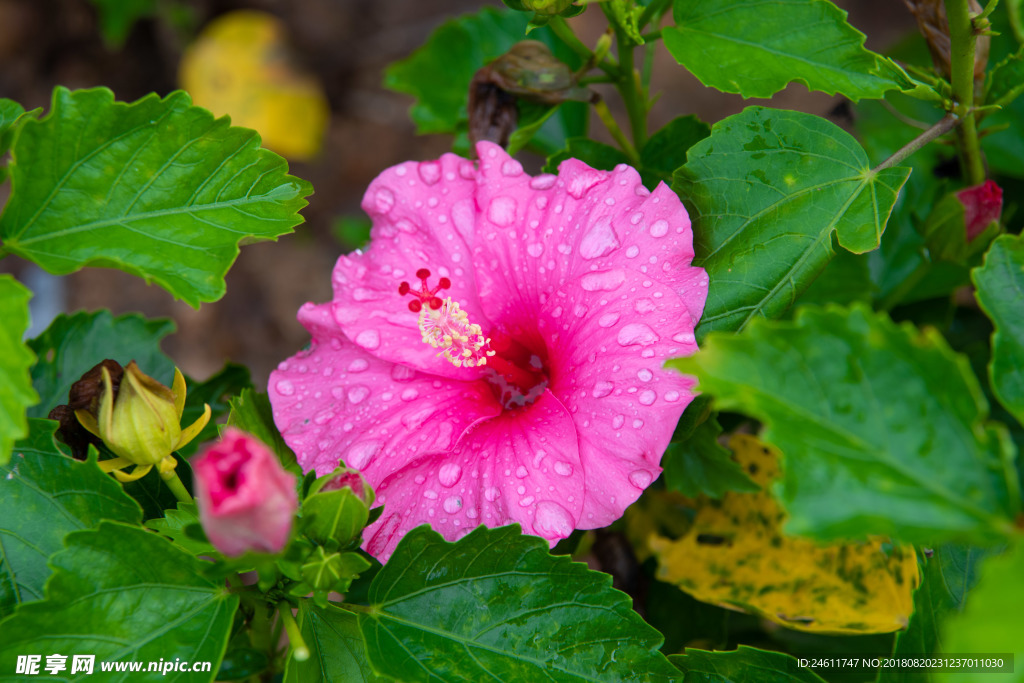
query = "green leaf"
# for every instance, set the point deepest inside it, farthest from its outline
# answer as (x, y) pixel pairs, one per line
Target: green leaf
(948, 574)
(999, 285)
(1005, 82)
(45, 495)
(124, 594)
(251, 412)
(767, 191)
(991, 616)
(700, 465)
(15, 361)
(885, 418)
(437, 75)
(157, 188)
(742, 665)
(755, 49)
(215, 392)
(337, 651)
(118, 16)
(595, 154)
(176, 523)
(665, 151)
(12, 117)
(846, 279)
(497, 606)
(73, 344)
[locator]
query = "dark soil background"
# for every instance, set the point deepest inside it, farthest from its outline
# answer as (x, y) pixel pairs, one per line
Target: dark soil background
(348, 44)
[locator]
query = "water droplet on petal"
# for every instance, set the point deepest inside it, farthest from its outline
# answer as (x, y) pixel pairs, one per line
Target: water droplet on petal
(562, 468)
(511, 168)
(645, 375)
(368, 339)
(360, 454)
(521, 472)
(544, 181)
(535, 249)
(430, 171)
(605, 281)
(551, 520)
(502, 211)
(384, 199)
(430, 494)
(285, 387)
(358, 393)
(402, 373)
(526, 502)
(659, 228)
(636, 217)
(410, 394)
(671, 396)
(582, 180)
(491, 494)
(449, 474)
(643, 306)
(358, 365)
(636, 333)
(608, 319)
(640, 478)
(602, 389)
(646, 397)
(684, 338)
(419, 479)
(600, 240)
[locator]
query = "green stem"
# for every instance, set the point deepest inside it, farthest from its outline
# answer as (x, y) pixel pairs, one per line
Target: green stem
(177, 488)
(612, 125)
(652, 11)
(629, 86)
(945, 124)
(299, 649)
(962, 44)
(564, 32)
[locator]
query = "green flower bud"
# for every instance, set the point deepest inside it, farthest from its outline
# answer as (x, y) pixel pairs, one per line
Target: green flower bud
(337, 507)
(140, 420)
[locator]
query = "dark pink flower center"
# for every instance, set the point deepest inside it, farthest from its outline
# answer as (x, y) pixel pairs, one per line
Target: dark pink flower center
(519, 374)
(230, 471)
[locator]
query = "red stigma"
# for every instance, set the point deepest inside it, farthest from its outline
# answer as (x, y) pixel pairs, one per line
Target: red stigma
(425, 295)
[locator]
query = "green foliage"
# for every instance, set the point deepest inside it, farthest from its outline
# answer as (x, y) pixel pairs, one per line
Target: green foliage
(755, 49)
(845, 280)
(1005, 82)
(217, 391)
(697, 464)
(595, 154)
(883, 417)
(45, 495)
(337, 652)
(742, 665)
(251, 412)
(12, 117)
(182, 526)
(15, 361)
(665, 151)
(948, 574)
(118, 16)
(437, 75)
(991, 613)
(73, 344)
(124, 594)
(496, 605)
(767, 191)
(157, 188)
(1000, 291)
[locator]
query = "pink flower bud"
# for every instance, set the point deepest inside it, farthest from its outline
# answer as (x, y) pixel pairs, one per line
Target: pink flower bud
(246, 499)
(982, 206)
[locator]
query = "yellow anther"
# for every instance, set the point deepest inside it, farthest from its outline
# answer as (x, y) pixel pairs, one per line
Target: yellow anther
(462, 343)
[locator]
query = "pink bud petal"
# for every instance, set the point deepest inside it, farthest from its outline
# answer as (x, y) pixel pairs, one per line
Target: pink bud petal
(983, 204)
(246, 499)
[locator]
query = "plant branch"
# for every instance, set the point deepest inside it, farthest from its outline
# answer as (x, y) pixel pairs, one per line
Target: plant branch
(564, 32)
(177, 488)
(963, 40)
(299, 648)
(945, 124)
(612, 125)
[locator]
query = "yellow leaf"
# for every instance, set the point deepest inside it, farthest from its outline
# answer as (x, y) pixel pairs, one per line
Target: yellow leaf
(240, 66)
(735, 555)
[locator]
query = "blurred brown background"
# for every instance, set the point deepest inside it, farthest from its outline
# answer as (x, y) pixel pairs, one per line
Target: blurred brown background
(347, 44)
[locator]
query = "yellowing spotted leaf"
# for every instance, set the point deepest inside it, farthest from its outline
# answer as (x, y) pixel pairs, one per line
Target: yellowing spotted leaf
(735, 555)
(240, 66)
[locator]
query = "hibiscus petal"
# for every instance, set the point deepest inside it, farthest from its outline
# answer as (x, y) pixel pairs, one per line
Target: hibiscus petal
(423, 217)
(336, 402)
(522, 466)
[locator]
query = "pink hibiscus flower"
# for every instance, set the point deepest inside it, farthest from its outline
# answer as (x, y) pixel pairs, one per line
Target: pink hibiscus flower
(519, 377)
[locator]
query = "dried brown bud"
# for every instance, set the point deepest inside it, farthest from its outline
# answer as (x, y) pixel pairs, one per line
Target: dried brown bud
(527, 71)
(84, 395)
(931, 19)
